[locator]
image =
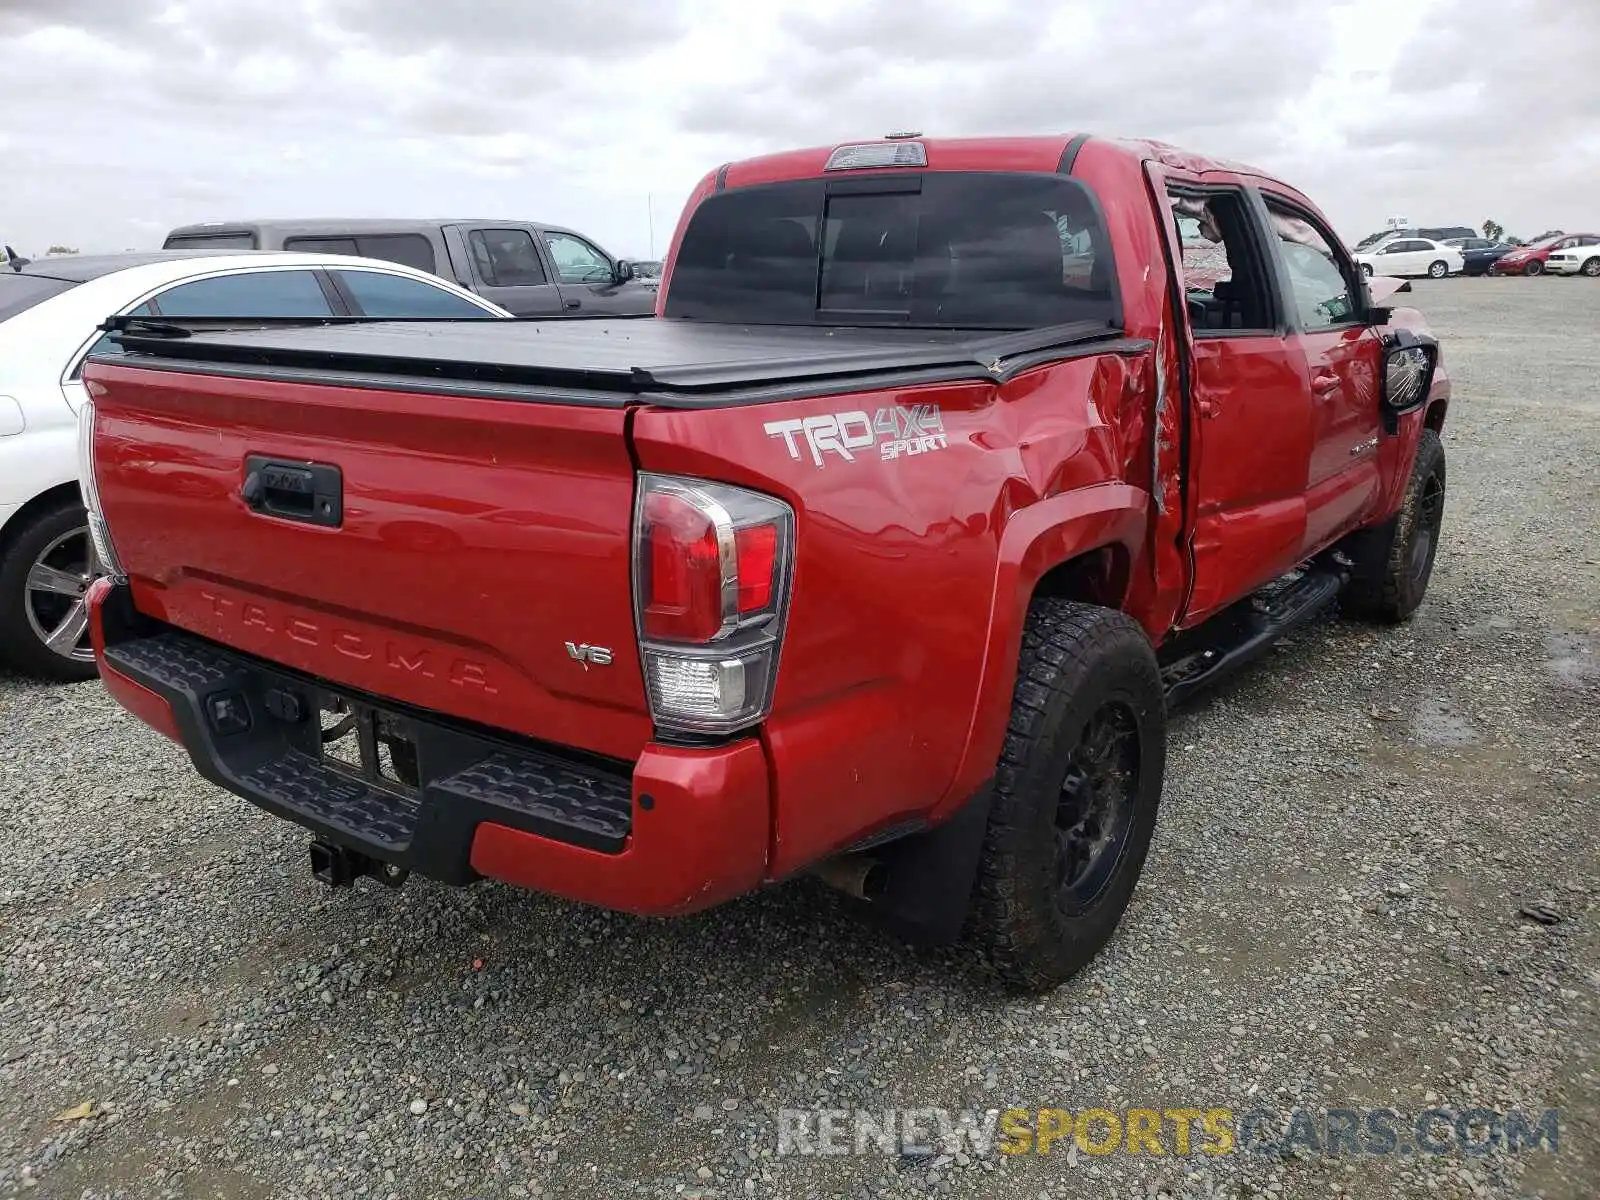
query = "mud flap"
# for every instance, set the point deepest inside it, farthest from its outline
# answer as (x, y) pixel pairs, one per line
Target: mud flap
(1368, 549)
(928, 877)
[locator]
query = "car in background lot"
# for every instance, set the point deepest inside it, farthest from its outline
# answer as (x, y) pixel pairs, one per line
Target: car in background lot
(1576, 255)
(49, 313)
(1531, 259)
(648, 273)
(1434, 233)
(1412, 256)
(1478, 254)
(529, 269)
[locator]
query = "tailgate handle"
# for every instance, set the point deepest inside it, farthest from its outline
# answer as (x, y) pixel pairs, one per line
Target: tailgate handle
(293, 491)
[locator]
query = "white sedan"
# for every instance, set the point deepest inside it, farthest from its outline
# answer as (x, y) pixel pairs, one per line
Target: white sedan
(1411, 256)
(49, 313)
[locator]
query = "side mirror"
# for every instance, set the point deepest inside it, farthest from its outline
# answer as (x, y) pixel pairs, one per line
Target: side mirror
(1409, 361)
(624, 271)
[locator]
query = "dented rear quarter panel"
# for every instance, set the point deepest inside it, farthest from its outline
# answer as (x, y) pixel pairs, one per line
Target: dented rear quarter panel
(913, 573)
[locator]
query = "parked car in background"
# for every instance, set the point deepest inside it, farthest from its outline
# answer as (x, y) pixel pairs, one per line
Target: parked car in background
(1478, 254)
(49, 313)
(649, 273)
(1531, 259)
(529, 269)
(1578, 254)
(1411, 256)
(1434, 233)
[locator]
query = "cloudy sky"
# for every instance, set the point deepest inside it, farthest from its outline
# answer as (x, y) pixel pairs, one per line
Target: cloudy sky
(122, 118)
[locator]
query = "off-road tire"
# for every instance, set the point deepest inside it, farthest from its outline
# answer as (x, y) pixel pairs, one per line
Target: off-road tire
(20, 646)
(1390, 591)
(1078, 661)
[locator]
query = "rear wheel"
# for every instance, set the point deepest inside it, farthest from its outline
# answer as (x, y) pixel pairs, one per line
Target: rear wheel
(1591, 267)
(44, 578)
(1534, 268)
(1390, 591)
(1076, 793)
(1438, 269)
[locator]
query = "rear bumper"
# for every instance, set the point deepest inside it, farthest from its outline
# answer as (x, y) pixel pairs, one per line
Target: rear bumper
(680, 831)
(1561, 266)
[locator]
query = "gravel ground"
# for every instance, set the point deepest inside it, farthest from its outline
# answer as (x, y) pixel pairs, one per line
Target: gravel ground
(1331, 916)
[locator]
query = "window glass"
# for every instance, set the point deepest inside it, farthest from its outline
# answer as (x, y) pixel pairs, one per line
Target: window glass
(1319, 292)
(18, 292)
(968, 250)
(381, 295)
(257, 294)
(869, 254)
(408, 249)
(506, 257)
(1205, 257)
(577, 261)
(104, 345)
(321, 245)
(1225, 282)
(211, 241)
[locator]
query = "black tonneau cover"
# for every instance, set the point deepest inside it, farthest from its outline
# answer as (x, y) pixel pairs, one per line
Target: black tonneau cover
(690, 363)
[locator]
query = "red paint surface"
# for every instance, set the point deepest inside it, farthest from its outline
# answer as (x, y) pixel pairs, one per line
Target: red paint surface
(479, 535)
(135, 697)
(478, 538)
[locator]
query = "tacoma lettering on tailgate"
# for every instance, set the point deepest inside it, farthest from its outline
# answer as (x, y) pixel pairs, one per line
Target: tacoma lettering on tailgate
(410, 660)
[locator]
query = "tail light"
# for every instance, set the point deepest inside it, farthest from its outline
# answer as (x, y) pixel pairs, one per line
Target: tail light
(99, 532)
(712, 567)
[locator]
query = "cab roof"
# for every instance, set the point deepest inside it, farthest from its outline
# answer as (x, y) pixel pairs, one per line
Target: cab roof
(1045, 152)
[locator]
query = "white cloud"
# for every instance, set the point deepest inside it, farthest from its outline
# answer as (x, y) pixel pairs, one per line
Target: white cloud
(602, 114)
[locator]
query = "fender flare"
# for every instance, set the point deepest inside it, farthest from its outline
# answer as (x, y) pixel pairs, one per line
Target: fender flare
(1036, 539)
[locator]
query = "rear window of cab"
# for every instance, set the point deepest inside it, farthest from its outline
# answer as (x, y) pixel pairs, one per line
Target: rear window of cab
(967, 250)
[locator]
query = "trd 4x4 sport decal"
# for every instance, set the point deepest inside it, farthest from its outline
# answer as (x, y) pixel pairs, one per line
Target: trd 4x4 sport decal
(897, 433)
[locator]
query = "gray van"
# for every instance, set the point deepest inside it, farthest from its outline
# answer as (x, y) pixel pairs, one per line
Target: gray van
(529, 269)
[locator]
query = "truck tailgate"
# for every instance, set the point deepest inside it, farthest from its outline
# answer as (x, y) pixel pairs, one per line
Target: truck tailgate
(478, 538)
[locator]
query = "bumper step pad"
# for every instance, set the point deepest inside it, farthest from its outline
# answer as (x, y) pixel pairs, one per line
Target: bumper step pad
(542, 787)
(250, 727)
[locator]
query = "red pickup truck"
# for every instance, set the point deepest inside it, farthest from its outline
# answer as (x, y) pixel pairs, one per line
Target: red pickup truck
(879, 553)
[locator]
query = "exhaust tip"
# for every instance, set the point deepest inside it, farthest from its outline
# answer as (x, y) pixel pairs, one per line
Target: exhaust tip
(854, 874)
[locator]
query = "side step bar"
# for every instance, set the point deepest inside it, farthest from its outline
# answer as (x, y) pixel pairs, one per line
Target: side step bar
(1208, 653)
